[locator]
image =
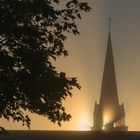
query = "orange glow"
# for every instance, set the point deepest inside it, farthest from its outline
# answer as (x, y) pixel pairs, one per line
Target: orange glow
(107, 117)
(84, 123)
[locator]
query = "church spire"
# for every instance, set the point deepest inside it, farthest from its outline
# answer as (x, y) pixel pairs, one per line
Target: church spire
(109, 23)
(109, 94)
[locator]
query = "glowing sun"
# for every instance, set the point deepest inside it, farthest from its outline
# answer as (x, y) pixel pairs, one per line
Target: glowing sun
(84, 123)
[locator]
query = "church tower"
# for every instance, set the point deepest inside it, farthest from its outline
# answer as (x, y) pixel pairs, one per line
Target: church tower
(109, 114)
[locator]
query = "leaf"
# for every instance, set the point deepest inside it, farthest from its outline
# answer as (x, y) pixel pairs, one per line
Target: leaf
(79, 16)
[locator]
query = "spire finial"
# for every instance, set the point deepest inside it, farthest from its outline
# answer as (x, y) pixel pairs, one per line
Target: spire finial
(109, 23)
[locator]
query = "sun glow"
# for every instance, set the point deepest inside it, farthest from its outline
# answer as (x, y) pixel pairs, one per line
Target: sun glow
(84, 123)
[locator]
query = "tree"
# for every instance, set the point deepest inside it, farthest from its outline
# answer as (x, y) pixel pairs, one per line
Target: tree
(32, 35)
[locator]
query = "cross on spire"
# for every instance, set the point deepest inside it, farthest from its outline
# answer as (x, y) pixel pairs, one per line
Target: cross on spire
(109, 23)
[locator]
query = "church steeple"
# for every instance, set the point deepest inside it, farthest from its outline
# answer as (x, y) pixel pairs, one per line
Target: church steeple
(108, 114)
(109, 94)
(109, 24)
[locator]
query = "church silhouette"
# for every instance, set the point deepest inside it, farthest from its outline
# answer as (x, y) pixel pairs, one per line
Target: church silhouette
(109, 114)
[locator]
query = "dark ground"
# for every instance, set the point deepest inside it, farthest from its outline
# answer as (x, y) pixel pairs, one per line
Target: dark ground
(71, 135)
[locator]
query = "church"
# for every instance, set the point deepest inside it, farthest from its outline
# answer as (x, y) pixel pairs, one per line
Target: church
(109, 114)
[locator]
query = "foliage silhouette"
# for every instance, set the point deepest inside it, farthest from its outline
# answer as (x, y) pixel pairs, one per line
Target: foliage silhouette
(32, 35)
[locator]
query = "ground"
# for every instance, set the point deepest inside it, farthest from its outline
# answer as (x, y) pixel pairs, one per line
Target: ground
(71, 135)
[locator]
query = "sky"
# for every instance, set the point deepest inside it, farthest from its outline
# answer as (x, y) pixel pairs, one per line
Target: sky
(86, 62)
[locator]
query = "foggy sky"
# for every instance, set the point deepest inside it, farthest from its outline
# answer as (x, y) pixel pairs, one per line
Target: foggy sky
(86, 62)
